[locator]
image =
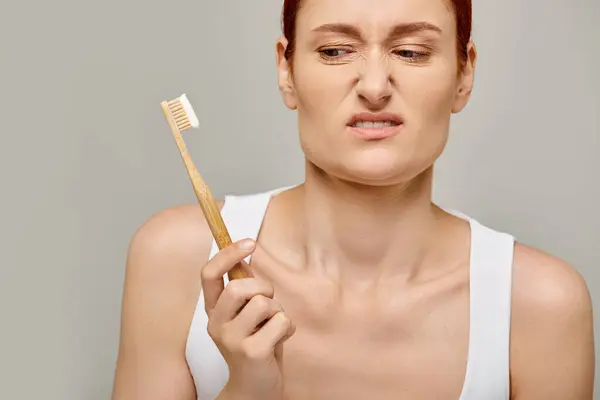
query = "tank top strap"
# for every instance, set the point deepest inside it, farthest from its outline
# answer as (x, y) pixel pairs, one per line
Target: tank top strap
(243, 216)
(488, 367)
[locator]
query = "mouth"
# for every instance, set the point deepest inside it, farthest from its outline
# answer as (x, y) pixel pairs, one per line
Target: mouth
(375, 126)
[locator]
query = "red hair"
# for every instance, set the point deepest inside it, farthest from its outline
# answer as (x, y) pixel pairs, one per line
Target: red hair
(463, 11)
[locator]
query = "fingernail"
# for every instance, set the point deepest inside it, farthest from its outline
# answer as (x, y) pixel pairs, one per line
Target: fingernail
(247, 244)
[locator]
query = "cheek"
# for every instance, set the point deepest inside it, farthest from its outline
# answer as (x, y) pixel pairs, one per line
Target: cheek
(428, 96)
(320, 89)
(429, 93)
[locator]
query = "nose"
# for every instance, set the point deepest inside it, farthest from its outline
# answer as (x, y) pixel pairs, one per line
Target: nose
(374, 85)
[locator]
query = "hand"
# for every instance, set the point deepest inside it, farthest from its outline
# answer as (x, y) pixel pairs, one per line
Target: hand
(247, 325)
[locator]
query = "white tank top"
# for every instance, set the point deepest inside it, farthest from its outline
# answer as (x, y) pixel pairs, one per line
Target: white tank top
(491, 259)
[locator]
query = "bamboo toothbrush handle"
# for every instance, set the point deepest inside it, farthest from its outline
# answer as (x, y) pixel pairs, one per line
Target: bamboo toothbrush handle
(214, 219)
(203, 194)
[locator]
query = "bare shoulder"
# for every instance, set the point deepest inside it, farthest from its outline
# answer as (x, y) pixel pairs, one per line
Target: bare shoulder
(171, 243)
(167, 252)
(161, 290)
(543, 282)
(552, 341)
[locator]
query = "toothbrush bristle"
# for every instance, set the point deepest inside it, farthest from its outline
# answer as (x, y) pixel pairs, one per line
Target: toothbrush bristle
(183, 113)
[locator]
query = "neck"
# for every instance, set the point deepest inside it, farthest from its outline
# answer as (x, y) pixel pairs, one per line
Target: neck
(362, 233)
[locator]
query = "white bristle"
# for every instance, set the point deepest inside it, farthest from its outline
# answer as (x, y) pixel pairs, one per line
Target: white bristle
(187, 107)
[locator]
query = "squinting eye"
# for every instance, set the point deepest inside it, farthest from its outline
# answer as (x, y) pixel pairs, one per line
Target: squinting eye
(334, 52)
(409, 53)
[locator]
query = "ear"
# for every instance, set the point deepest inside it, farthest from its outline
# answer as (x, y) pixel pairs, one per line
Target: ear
(466, 79)
(284, 75)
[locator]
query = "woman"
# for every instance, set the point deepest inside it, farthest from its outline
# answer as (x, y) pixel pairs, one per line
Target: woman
(360, 287)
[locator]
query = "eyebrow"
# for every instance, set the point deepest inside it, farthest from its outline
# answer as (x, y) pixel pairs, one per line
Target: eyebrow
(396, 32)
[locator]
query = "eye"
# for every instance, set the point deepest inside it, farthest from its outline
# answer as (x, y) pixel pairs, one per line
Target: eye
(410, 53)
(334, 52)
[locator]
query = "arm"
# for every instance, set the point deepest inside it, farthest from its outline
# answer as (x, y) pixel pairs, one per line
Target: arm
(552, 340)
(162, 286)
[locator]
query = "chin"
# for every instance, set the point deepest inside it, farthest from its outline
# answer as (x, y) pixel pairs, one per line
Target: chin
(374, 167)
(372, 176)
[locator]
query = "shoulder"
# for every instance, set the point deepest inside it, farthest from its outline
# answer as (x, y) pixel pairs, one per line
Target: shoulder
(168, 250)
(552, 337)
(546, 284)
(179, 232)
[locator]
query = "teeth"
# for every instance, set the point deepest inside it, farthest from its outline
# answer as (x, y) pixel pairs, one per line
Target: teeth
(369, 124)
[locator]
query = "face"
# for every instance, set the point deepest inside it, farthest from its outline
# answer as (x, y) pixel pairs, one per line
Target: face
(374, 83)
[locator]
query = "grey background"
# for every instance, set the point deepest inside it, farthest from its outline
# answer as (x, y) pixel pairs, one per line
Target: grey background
(86, 156)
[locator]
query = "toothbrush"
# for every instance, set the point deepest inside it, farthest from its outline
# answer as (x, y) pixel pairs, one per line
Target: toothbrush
(181, 116)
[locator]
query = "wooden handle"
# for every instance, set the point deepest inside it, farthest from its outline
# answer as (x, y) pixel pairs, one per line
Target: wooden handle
(203, 194)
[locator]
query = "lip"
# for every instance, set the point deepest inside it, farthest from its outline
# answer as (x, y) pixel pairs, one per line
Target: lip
(376, 133)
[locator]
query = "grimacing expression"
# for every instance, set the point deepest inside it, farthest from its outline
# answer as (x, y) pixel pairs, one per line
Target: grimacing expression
(396, 57)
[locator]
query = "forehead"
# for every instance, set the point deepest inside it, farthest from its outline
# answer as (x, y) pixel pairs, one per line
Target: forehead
(375, 15)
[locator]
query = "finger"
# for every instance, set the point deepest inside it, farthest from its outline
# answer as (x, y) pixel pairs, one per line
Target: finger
(258, 309)
(240, 270)
(277, 329)
(237, 294)
(212, 273)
